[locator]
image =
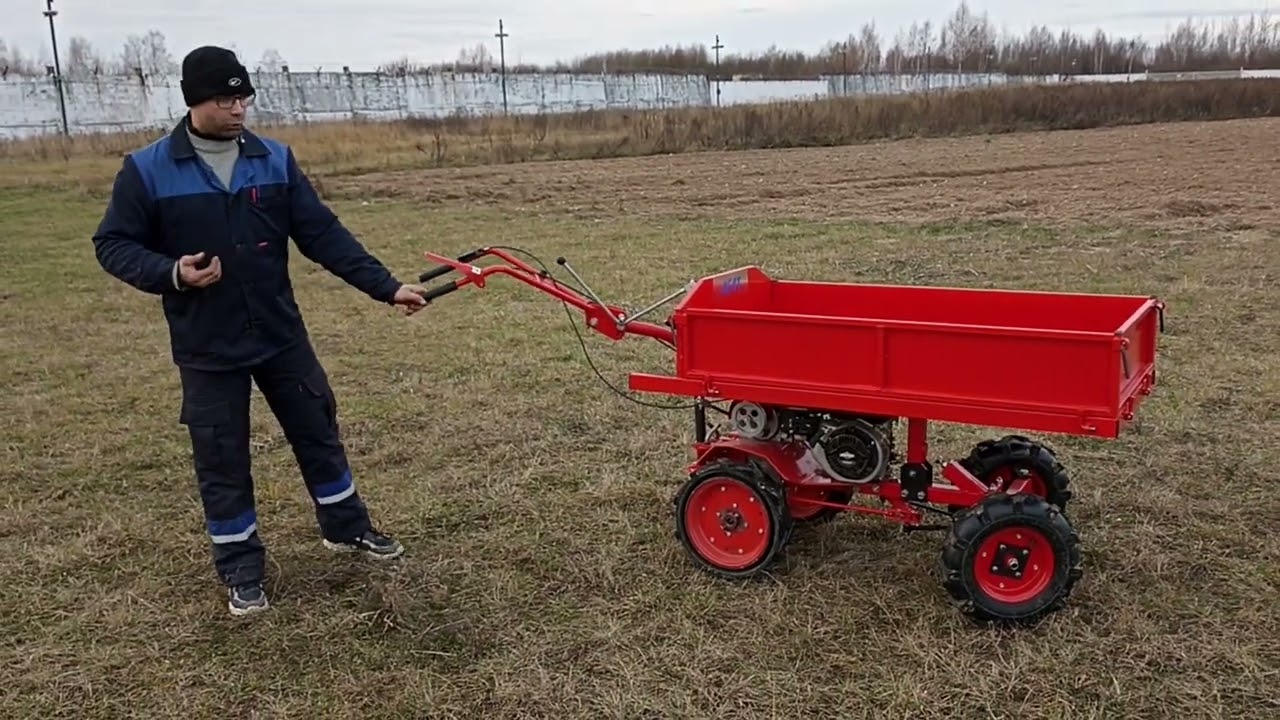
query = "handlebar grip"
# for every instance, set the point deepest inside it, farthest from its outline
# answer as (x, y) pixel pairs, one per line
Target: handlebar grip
(436, 292)
(436, 272)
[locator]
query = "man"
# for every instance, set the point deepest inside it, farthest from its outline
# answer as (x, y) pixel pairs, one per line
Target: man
(201, 218)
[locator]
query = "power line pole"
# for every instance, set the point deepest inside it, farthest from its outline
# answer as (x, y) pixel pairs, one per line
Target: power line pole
(502, 55)
(717, 47)
(57, 65)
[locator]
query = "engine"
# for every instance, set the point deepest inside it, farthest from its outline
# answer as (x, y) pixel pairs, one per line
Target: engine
(848, 447)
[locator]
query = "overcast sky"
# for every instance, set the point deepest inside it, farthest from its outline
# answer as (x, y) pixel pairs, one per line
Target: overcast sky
(363, 33)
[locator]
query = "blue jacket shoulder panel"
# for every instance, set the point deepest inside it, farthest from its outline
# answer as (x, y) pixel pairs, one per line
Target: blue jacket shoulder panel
(150, 163)
(279, 160)
(265, 161)
(125, 242)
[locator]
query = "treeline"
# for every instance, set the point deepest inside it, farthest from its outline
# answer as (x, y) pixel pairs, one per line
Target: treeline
(147, 53)
(969, 42)
(965, 41)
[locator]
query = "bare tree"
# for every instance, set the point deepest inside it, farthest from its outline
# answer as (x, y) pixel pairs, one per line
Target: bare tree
(14, 62)
(402, 66)
(148, 54)
(83, 61)
(476, 58)
(272, 61)
(872, 55)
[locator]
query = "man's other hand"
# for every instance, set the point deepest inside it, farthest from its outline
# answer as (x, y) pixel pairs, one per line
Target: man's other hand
(409, 298)
(194, 276)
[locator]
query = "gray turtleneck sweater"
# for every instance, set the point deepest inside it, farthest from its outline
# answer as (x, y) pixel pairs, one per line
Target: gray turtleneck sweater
(220, 154)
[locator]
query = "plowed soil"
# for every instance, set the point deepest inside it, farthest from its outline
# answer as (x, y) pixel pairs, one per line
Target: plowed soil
(1176, 177)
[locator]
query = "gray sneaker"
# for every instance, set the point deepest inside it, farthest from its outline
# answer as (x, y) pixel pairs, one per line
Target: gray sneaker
(247, 599)
(371, 543)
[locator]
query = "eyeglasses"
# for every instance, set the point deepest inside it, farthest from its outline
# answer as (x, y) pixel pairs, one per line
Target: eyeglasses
(226, 102)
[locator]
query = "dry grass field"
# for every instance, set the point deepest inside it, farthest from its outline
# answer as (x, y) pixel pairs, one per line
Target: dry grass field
(542, 577)
(365, 147)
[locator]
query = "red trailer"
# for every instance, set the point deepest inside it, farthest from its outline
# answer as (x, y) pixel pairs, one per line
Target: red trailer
(817, 378)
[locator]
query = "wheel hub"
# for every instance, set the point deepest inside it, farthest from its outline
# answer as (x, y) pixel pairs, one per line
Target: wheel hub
(1010, 560)
(1014, 564)
(731, 520)
(1017, 480)
(727, 523)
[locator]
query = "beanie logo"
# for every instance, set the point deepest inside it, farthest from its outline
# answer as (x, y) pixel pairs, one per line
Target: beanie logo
(234, 82)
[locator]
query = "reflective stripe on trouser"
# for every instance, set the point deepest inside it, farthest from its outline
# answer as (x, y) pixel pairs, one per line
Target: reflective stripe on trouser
(297, 389)
(215, 407)
(236, 530)
(334, 492)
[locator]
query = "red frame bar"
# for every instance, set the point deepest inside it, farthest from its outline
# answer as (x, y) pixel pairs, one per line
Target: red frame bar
(603, 320)
(796, 468)
(1029, 418)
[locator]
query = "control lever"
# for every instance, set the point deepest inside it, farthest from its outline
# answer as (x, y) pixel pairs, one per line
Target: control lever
(565, 264)
(624, 320)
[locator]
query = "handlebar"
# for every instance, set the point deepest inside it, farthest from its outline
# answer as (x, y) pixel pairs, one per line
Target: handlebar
(608, 320)
(442, 290)
(434, 273)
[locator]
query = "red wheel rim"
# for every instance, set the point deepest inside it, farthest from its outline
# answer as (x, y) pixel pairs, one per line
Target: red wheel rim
(1006, 480)
(1014, 565)
(727, 523)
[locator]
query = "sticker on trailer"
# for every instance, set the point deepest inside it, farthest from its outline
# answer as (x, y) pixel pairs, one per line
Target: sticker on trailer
(729, 284)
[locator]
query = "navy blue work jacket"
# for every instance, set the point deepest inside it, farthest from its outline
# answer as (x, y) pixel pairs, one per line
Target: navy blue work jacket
(167, 202)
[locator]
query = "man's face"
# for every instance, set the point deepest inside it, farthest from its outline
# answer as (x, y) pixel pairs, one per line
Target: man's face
(222, 116)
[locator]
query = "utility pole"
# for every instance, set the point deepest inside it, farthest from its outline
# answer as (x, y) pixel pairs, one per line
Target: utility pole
(57, 65)
(502, 55)
(717, 47)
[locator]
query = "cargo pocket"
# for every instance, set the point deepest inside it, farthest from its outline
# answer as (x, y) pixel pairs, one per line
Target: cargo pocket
(208, 421)
(319, 396)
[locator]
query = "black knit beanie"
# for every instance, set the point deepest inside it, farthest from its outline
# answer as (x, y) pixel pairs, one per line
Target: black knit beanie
(211, 71)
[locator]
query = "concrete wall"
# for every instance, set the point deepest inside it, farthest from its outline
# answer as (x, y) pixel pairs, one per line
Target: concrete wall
(316, 96)
(30, 106)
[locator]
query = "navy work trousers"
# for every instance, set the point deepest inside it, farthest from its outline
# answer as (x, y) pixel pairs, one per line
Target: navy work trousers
(215, 409)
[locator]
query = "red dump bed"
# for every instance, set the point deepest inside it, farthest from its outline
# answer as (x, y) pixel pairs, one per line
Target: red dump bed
(1049, 362)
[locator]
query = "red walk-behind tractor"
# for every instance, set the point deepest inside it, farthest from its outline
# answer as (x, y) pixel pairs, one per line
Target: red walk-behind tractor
(817, 376)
